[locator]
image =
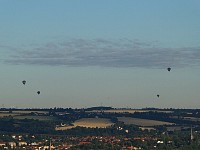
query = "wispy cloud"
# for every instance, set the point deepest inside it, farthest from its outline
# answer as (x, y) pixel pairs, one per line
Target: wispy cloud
(106, 53)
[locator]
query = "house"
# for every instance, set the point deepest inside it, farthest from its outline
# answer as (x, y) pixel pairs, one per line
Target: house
(12, 144)
(2, 144)
(22, 143)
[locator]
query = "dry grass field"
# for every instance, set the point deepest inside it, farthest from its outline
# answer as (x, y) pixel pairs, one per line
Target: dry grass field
(64, 127)
(6, 114)
(93, 122)
(192, 118)
(89, 123)
(142, 122)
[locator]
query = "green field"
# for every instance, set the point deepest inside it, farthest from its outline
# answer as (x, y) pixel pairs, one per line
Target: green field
(142, 122)
(41, 118)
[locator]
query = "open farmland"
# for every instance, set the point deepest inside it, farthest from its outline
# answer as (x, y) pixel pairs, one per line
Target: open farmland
(118, 111)
(7, 114)
(129, 111)
(66, 127)
(88, 123)
(41, 118)
(93, 122)
(142, 122)
(20, 114)
(24, 112)
(192, 119)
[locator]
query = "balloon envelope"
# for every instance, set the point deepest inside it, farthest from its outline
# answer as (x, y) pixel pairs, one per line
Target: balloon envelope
(24, 82)
(169, 69)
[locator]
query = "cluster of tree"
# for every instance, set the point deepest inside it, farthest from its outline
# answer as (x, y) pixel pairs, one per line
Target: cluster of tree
(27, 126)
(101, 108)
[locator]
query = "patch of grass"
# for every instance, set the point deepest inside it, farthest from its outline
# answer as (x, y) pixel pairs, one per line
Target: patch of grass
(142, 122)
(41, 118)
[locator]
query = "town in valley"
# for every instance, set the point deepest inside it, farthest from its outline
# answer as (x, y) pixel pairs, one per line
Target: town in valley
(99, 128)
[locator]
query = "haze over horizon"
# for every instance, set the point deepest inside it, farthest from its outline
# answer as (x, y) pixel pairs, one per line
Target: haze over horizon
(90, 53)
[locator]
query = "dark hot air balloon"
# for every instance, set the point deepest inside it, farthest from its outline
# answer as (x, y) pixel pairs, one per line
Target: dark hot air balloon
(158, 95)
(169, 69)
(38, 92)
(24, 82)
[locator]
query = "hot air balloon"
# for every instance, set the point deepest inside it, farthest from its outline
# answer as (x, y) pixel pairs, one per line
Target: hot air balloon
(158, 95)
(24, 82)
(169, 69)
(38, 92)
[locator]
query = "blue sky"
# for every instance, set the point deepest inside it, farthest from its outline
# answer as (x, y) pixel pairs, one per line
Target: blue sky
(91, 53)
